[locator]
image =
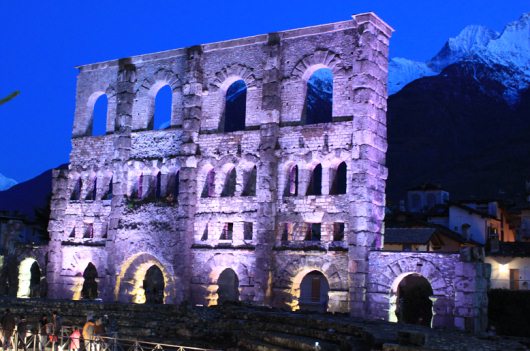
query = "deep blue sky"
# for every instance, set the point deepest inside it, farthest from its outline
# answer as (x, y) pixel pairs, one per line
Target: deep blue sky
(42, 42)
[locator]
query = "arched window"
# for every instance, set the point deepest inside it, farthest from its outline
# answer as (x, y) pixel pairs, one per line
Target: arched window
(315, 184)
(91, 191)
(140, 187)
(319, 97)
(235, 107)
(108, 194)
(76, 192)
(228, 283)
(250, 183)
(99, 116)
(314, 290)
(338, 186)
(229, 188)
(292, 182)
(162, 109)
(173, 187)
(158, 187)
(209, 185)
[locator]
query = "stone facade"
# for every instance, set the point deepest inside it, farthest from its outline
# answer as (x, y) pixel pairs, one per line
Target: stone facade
(138, 199)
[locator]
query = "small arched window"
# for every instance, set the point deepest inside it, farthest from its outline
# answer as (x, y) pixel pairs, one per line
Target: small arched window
(315, 184)
(108, 193)
(173, 187)
(76, 192)
(209, 185)
(158, 186)
(319, 97)
(338, 186)
(250, 183)
(292, 181)
(235, 107)
(99, 116)
(229, 188)
(140, 187)
(92, 190)
(162, 109)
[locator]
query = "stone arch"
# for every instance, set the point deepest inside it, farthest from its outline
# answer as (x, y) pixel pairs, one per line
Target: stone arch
(91, 101)
(129, 284)
(399, 269)
(229, 177)
(310, 63)
(147, 92)
(414, 305)
(29, 278)
(231, 73)
(206, 180)
(314, 290)
(315, 172)
(219, 263)
(228, 286)
(297, 270)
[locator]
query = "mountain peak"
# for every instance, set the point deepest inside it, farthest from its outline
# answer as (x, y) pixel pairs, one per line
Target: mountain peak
(471, 39)
(6, 183)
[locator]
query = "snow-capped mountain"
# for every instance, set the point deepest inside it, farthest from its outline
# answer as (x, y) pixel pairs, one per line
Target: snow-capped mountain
(6, 183)
(508, 53)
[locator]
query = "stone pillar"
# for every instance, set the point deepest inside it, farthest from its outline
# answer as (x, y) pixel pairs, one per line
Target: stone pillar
(125, 89)
(58, 205)
(187, 198)
(366, 185)
(267, 177)
(471, 295)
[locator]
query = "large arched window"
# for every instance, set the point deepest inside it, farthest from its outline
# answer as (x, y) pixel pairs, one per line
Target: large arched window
(99, 116)
(319, 97)
(338, 185)
(162, 109)
(250, 183)
(235, 107)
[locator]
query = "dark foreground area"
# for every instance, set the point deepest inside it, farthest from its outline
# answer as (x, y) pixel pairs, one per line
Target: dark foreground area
(236, 327)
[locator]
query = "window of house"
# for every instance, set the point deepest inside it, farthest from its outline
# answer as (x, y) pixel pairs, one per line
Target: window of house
(235, 107)
(338, 185)
(229, 188)
(319, 97)
(313, 232)
(338, 231)
(228, 231)
(247, 230)
(315, 183)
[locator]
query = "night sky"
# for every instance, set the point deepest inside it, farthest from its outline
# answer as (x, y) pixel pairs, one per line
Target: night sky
(43, 41)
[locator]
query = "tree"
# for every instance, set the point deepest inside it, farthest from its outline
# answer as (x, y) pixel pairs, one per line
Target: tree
(9, 97)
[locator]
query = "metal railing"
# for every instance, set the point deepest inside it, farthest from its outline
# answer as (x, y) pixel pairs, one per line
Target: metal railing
(34, 341)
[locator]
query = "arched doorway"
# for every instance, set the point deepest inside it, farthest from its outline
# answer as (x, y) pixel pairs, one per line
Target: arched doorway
(154, 286)
(29, 276)
(228, 283)
(413, 305)
(314, 290)
(90, 284)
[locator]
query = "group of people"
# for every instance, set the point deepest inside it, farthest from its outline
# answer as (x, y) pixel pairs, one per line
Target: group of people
(49, 332)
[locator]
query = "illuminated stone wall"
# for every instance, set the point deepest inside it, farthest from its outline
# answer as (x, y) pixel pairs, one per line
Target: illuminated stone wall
(185, 234)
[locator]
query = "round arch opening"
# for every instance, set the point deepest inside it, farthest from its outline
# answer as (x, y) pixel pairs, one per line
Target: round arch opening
(314, 290)
(411, 300)
(89, 290)
(29, 277)
(154, 286)
(228, 286)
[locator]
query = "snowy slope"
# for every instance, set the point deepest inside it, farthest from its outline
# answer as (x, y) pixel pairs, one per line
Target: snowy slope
(508, 53)
(6, 183)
